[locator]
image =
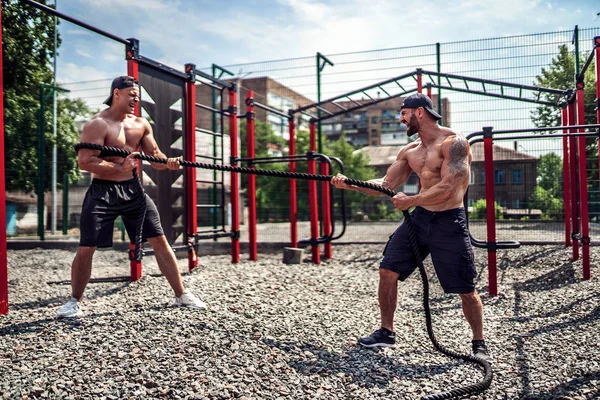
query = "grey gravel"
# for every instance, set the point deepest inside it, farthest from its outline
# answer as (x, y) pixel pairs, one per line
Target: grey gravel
(276, 331)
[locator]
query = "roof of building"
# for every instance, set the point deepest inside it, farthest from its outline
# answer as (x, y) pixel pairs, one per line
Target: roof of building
(385, 155)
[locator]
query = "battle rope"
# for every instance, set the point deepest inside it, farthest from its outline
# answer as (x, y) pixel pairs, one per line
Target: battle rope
(463, 391)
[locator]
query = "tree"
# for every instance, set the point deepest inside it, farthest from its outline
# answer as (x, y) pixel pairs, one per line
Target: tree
(550, 174)
(28, 47)
(561, 75)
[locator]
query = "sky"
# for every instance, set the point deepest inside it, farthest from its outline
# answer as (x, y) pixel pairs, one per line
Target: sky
(203, 32)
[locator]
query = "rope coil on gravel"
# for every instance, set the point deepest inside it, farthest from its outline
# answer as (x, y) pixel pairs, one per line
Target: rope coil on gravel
(458, 392)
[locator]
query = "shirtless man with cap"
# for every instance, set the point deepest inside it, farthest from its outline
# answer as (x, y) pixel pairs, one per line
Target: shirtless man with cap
(115, 191)
(441, 158)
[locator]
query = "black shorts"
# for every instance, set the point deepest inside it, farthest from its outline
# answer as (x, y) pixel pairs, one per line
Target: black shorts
(105, 201)
(444, 235)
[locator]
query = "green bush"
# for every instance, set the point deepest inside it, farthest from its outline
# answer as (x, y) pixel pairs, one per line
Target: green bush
(479, 210)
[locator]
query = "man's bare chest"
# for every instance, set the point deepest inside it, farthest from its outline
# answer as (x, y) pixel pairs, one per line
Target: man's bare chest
(424, 159)
(125, 135)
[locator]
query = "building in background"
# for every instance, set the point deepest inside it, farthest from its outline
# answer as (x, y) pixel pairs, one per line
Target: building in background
(375, 125)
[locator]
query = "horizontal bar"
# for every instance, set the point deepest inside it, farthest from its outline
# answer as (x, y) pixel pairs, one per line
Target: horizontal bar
(513, 85)
(219, 88)
(272, 110)
(339, 106)
(225, 84)
(164, 68)
(208, 157)
(212, 109)
(364, 105)
(214, 235)
(346, 95)
(543, 129)
(324, 110)
(209, 206)
(501, 96)
(202, 130)
(72, 20)
(205, 181)
(211, 231)
(587, 134)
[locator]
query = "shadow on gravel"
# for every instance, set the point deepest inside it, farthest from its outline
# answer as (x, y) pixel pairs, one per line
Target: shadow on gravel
(562, 276)
(45, 303)
(368, 368)
(570, 387)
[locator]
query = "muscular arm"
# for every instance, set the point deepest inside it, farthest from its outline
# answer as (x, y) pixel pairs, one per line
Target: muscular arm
(397, 174)
(95, 131)
(150, 147)
(454, 172)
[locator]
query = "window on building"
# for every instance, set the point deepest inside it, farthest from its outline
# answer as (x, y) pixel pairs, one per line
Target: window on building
(517, 177)
(374, 120)
(499, 177)
(483, 177)
(516, 203)
(472, 179)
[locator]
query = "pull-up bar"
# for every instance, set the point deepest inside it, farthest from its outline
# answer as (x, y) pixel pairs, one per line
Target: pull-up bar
(75, 21)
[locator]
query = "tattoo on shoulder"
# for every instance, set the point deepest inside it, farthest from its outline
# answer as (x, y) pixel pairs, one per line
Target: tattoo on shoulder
(459, 151)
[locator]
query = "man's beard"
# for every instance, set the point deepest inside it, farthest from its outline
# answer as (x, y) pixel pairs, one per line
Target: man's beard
(413, 126)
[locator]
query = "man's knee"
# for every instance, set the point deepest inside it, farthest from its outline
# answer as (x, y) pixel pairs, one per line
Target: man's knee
(387, 275)
(86, 251)
(472, 297)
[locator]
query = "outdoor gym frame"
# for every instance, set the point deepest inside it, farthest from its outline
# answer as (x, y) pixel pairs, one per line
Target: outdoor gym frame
(574, 146)
(134, 62)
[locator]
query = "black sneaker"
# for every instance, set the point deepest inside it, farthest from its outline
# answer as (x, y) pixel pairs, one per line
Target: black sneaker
(481, 350)
(382, 337)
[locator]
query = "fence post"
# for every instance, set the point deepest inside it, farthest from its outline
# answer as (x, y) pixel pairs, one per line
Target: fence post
(488, 157)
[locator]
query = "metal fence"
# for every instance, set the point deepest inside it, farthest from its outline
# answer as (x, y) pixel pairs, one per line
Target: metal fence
(514, 59)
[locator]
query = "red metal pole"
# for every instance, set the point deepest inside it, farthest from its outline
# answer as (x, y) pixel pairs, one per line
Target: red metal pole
(583, 192)
(312, 198)
(135, 266)
(488, 158)
(293, 201)
(190, 173)
(419, 81)
(235, 216)
(325, 187)
(3, 255)
(252, 250)
(429, 91)
(566, 181)
(597, 61)
(573, 179)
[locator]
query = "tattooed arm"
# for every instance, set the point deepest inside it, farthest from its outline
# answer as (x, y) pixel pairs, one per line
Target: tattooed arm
(454, 179)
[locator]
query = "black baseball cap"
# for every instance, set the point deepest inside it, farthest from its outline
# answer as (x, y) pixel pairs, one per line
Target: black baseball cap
(420, 100)
(120, 82)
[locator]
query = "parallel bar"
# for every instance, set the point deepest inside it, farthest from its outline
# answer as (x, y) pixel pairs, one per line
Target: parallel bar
(211, 182)
(493, 82)
(271, 110)
(207, 157)
(208, 132)
(566, 180)
(72, 20)
(339, 106)
(212, 109)
(165, 68)
(346, 95)
(209, 206)
(365, 105)
(571, 125)
(497, 95)
(225, 84)
(324, 110)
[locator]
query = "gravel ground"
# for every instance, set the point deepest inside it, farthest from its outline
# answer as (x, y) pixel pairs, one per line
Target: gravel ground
(289, 331)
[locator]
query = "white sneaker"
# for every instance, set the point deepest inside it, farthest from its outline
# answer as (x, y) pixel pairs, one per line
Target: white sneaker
(190, 300)
(70, 310)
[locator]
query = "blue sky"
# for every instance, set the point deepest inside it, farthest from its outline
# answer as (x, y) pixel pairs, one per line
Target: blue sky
(175, 32)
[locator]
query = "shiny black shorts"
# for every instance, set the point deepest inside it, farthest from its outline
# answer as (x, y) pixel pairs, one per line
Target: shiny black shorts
(444, 235)
(105, 201)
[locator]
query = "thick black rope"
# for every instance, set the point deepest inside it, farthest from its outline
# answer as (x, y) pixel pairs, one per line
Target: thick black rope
(459, 392)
